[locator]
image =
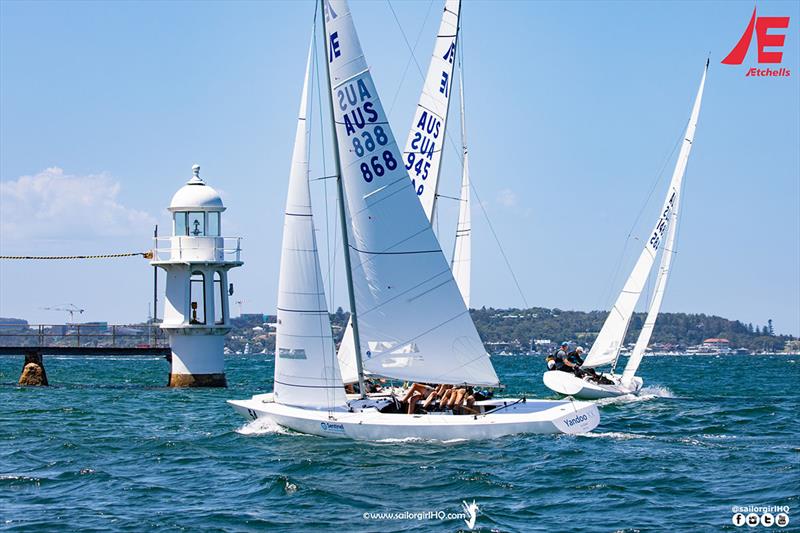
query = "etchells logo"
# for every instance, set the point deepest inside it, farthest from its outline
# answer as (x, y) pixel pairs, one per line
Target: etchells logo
(761, 26)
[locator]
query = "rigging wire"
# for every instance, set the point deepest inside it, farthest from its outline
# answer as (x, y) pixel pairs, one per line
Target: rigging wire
(411, 56)
(145, 255)
(325, 177)
(458, 153)
(659, 175)
(324, 319)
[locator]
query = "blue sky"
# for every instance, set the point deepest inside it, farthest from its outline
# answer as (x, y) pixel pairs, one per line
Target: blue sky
(572, 110)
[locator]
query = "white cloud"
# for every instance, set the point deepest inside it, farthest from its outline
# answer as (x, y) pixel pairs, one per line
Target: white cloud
(54, 205)
(507, 198)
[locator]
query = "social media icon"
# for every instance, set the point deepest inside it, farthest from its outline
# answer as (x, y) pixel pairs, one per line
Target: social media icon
(782, 520)
(767, 519)
(738, 519)
(752, 520)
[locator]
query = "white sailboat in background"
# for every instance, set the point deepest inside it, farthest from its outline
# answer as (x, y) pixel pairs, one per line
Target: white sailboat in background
(461, 263)
(409, 319)
(607, 346)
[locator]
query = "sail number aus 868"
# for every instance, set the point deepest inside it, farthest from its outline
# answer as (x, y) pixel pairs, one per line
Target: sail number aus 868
(375, 167)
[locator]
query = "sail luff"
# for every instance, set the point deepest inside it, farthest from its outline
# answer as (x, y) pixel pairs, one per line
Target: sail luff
(425, 144)
(462, 247)
(669, 247)
(306, 373)
(413, 322)
(609, 341)
(330, 53)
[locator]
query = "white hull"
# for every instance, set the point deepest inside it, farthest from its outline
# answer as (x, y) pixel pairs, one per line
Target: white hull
(571, 385)
(512, 417)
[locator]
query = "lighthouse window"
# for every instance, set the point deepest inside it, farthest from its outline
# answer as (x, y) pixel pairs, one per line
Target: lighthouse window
(213, 224)
(197, 294)
(197, 225)
(180, 223)
(219, 291)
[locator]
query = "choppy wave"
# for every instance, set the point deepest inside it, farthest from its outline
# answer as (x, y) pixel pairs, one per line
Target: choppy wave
(615, 435)
(96, 455)
(264, 426)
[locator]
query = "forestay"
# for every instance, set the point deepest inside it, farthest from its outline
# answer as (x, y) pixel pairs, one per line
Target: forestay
(609, 341)
(306, 373)
(412, 320)
(669, 245)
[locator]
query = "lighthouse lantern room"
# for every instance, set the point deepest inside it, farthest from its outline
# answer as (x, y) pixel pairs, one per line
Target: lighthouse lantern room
(197, 259)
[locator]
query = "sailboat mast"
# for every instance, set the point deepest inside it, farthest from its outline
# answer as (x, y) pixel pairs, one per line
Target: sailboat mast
(342, 214)
(444, 125)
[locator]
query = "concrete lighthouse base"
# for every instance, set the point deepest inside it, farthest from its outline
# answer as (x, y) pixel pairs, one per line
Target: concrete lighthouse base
(197, 380)
(197, 361)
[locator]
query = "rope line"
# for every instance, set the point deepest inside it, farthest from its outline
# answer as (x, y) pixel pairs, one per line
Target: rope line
(146, 255)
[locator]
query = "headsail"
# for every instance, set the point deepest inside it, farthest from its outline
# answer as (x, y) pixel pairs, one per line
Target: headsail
(423, 152)
(306, 373)
(609, 341)
(412, 321)
(669, 246)
(462, 249)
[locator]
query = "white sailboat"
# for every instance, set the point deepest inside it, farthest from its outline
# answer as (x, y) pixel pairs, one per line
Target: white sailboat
(606, 347)
(461, 263)
(408, 314)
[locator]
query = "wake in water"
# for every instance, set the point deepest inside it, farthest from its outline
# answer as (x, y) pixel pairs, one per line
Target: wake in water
(264, 426)
(646, 394)
(615, 435)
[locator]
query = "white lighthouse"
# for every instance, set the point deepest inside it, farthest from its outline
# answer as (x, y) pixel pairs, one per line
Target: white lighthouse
(196, 259)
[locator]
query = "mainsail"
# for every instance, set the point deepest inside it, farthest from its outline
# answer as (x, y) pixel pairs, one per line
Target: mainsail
(413, 323)
(423, 153)
(669, 245)
(609, 341)
(462, 249)
(306, 373)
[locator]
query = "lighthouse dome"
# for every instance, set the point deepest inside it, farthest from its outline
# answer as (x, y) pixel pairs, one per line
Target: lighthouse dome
(196, 196)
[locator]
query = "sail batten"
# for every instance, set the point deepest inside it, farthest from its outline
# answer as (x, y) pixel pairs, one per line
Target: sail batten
(412, 321)
(606, 347)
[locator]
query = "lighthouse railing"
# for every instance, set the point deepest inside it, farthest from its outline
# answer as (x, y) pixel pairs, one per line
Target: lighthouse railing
(204, 248)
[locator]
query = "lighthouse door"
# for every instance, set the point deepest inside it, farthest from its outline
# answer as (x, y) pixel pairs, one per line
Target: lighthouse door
(197, 298)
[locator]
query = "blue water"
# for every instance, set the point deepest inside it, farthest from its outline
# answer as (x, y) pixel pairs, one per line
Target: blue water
(107, 447)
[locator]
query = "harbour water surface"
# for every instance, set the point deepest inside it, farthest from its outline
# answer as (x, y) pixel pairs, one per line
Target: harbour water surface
(108, 447)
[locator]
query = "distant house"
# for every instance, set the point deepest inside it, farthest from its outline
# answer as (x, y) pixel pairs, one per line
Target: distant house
(718, 346)
(716, 343)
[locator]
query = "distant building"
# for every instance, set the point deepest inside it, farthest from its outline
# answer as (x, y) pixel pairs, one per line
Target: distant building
(716, 343)
(792, 346)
